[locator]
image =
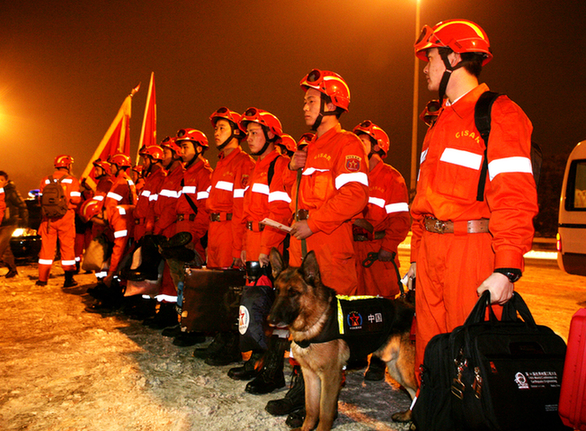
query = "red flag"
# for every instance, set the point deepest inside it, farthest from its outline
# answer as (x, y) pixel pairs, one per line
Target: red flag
(116, 139)
(148, 133)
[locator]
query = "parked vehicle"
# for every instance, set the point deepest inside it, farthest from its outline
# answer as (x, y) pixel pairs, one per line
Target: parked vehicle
(571, 237)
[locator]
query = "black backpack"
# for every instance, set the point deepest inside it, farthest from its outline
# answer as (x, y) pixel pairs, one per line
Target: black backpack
(482, 119)
(53, 200)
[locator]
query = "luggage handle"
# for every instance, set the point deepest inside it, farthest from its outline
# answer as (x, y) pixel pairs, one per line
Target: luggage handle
(513, 306)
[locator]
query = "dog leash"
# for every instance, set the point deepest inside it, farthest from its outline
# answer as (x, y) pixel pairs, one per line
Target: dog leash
(303, 243)
(373, 257)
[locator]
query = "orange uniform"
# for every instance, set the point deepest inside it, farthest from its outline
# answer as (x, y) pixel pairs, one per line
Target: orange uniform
(333, 189)
(263, 200)
(388, 213)
(144, 212)
(165, 215)
(225, 205)
(122, 192)
(451, 266)
(196, 185)
(119, 231)
(62, 228)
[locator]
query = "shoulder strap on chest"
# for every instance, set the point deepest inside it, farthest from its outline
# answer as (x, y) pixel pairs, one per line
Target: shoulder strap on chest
(482, 119)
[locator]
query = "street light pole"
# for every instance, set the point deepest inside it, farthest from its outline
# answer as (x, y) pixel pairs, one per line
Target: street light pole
(412, 183)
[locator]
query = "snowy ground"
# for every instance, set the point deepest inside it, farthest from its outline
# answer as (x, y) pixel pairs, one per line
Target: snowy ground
(62, 368)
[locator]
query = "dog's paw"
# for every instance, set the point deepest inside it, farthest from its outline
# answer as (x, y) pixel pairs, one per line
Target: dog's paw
(405, 416)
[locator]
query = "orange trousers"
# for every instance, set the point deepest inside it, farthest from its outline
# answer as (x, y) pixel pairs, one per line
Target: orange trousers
(335, 256)
(450, 268)
(220, 244)
(381, 277)
(51, 230)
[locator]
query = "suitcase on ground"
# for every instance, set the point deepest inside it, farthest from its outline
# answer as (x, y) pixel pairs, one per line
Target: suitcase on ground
(572, 407)
(210, 299)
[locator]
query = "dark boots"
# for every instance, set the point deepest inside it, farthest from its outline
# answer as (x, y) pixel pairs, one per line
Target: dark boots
(250, 369)
(213, 348)
(376, 369)
(166, 316)
(294, 398)
(69, 281)
(271, 376)
(229, 353)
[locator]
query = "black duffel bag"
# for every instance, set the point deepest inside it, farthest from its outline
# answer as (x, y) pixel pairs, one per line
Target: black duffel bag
(491, 374)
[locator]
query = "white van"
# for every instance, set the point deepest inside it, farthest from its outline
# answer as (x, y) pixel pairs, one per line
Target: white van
(571, 237)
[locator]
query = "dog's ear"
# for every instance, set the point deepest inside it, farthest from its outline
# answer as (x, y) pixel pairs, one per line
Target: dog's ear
(277, 263)
(310, 269)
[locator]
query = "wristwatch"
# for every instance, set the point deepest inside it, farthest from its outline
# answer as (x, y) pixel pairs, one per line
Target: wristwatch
(513, 274)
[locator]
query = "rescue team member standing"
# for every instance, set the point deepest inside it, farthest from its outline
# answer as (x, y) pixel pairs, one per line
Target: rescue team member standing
(62, 228)
(462, 246)
(15, 214)
(385, 221)
(226, 230)
(123, 190)
(192, 214)
(334, 183)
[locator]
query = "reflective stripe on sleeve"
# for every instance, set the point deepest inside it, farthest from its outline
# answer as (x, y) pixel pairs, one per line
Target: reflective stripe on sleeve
(120, 233)
(279, 196)
(76, 194)
(145, 193)
(461, 158)
(376, 201)
(153, 197)
(239, 193)
(189, 189)
(170, 193)
(225, 185)
(509, 165)
(397, 207)
(114, 196)
(354, 177)
(203, 195)
(67, 181)
(121, 210)
(99, 198)
(260, 188)
(311, 171)
(422, 157)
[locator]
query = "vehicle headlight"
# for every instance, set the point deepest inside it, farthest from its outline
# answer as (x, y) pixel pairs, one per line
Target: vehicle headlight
(19, 232)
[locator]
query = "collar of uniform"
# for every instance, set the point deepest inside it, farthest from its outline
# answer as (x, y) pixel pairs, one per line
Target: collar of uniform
(222, 156)
(468, 100)
(269, 158)
(326, 136)
(197, 164)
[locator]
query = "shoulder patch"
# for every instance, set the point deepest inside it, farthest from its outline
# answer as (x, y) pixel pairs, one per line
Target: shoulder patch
(353, 163)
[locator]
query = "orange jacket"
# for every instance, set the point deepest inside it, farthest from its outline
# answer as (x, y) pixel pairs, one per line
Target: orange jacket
(196, 184)
(122, 192)
(450, 164)
(120, 224)
(166, 202)
(388, 205)
(334, 184)
(229, 182)
(263, 200)
(70, 187)
(145, 207)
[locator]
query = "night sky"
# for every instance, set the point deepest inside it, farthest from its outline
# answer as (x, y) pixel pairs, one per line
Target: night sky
(66, 67)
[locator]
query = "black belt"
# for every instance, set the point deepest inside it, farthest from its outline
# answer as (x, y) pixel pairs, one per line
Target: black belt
(251, 226)
(377, 235)
(181, 217)
(218, 216)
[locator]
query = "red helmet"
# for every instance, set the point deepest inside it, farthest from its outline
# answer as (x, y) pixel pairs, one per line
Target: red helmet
(264, 118)
(89, 209)
(226, 114)
(153, 151)
(459, 35)
(192, 135)
(305, 139)
(379, 135)
(98, 163)
(330, 84)
(120, 160)
(63, 161)
(288, 142)
(170, 143)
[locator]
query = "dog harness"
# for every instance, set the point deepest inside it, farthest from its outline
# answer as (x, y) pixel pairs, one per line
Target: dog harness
(364, 322)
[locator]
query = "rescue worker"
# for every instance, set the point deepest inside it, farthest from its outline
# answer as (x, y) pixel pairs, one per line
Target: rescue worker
(61, 228)
(462, 246)
(123, 190)
(192, 214)
(137, 177)
(118, 223)
(165, 225)
(263, 199)
(333, 188)
(380, 228)
(225, 206)
(15, 215)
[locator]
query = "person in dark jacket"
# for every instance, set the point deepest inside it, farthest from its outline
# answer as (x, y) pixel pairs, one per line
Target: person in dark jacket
(16, 214)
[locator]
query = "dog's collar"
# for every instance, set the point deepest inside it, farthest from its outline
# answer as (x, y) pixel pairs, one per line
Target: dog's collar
(329, 331)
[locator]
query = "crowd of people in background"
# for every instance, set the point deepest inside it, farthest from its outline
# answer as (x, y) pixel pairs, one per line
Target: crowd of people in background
(334, 194)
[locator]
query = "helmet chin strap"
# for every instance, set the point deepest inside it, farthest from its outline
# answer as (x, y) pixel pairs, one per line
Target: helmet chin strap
(227, 141)
(446, 76)
(322, 113)
(268, 142)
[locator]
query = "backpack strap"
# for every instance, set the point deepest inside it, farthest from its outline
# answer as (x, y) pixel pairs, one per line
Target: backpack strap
(271, 171)
(482, 119)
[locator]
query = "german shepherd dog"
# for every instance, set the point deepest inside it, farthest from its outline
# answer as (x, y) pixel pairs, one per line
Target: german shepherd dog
(304, 304)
